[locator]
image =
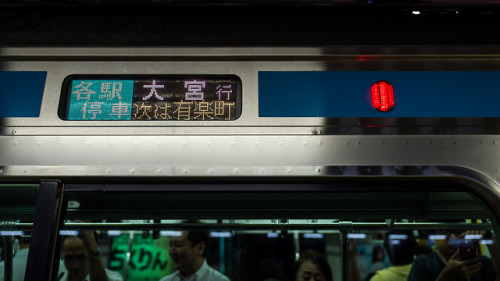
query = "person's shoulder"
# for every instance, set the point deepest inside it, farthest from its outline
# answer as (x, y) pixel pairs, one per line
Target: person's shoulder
(426, 257)
(113, 275)
(218, 276)
(222, 277)
(484, 258)
(426, 261)
(381, 275)
(376, 277)
(168, 277)
(487, 263)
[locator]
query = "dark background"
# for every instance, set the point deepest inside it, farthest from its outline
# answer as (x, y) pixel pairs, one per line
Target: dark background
(248, 23)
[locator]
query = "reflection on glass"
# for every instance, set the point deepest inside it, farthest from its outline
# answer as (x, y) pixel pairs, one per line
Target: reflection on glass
(14, 248)
(270, 250)
(460, 254)
(81, 258)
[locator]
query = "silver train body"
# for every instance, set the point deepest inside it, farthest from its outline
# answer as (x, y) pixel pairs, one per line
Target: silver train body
(253, 153)
(48, 147)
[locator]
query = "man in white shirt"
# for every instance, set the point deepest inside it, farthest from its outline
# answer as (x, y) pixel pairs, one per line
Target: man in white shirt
(188, 254)
(82, 261)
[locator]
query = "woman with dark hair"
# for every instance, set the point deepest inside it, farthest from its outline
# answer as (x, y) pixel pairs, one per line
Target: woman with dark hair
(378, 257)
(312, 266)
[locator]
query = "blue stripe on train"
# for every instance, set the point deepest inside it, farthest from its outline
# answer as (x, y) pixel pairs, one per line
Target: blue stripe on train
(348, 93)
(21, 93)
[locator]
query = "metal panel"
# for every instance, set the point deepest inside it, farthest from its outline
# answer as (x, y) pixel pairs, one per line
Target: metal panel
(159, 156)
(36, 148)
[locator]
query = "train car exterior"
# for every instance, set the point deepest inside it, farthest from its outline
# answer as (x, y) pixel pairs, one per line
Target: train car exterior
(335, 137)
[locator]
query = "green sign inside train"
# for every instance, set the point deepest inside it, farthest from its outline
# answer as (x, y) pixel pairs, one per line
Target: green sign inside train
(149, 258)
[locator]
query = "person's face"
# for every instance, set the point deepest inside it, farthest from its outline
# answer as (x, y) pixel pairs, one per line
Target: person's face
(380, 255)
(308, 271)
(75, 258)
(186, 257)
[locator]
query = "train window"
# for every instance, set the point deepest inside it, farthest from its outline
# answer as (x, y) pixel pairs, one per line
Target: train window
(265, 236)
(17, 209)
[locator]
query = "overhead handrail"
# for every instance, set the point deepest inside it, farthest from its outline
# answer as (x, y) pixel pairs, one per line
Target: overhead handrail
(261, 226)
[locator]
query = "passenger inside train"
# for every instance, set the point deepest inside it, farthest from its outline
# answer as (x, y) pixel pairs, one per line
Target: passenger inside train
(22, 243)
(456, 258)
(82, 260)
(401, 249)
(312, 266)
(436, 236)
(289, 255)
(187, 251)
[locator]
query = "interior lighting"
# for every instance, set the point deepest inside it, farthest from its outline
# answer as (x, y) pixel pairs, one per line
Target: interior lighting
(272, 235)
(220, 234)
(398, 236)
(69, 232)
(114, 233)
(473, 237)
(313, 235)
(170, 233)
(11, 233)
(437, 237)
(356, 235)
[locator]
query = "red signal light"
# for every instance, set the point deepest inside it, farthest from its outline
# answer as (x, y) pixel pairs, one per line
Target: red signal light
(383, 96)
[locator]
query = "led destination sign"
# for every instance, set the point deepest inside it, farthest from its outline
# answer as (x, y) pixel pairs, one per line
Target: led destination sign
(161, 98)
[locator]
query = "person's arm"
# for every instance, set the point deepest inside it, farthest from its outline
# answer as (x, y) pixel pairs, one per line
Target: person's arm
(96, 267)
(354, 274)
(456, 269)
(493, 249)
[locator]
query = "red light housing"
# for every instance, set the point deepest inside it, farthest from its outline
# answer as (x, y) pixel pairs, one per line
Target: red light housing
(383, 96)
